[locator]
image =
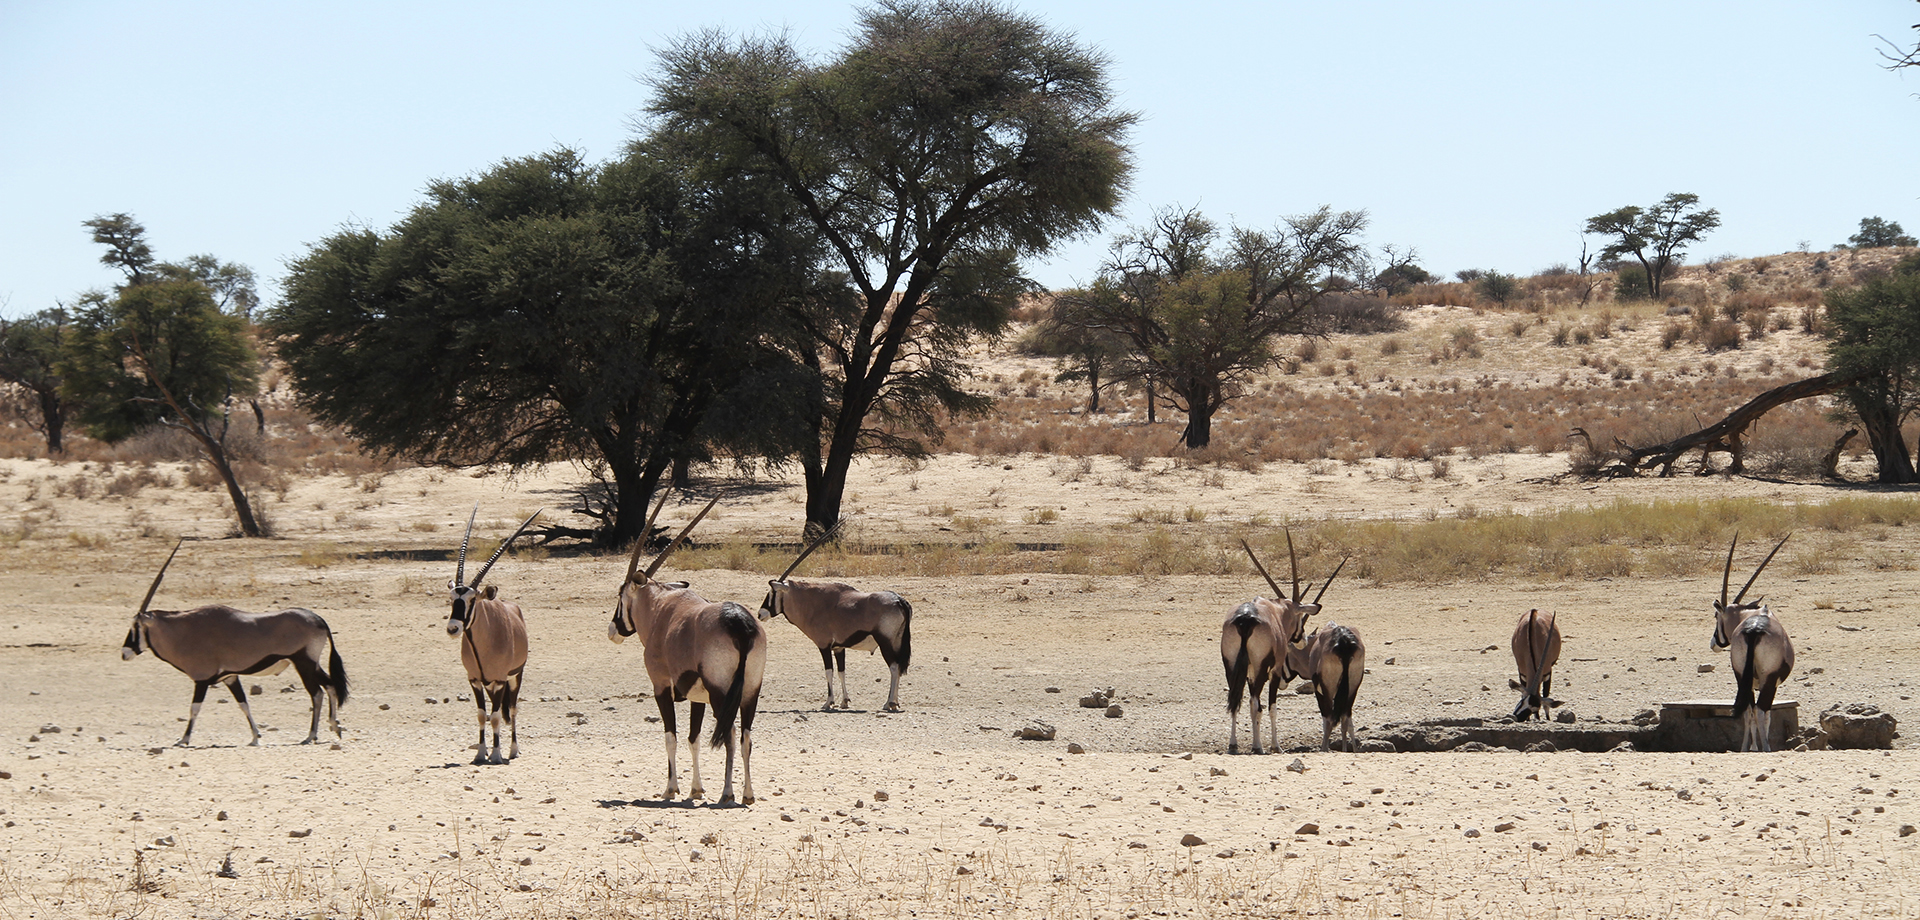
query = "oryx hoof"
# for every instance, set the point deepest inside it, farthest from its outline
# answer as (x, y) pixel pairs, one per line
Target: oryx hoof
(828, 707)
(891, 707)
(481, 759)
(1233, 749)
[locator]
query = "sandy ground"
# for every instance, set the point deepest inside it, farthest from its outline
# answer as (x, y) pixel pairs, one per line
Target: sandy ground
(939, 810)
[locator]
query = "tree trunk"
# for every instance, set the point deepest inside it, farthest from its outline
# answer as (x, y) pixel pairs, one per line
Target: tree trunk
(1889, 446)
(1093, 388)
(1201, 403)
(242, 506)
(634, 484)
(53, 420)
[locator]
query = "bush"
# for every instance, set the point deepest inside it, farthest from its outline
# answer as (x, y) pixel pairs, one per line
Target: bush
(1497, 287)
(1630, 283)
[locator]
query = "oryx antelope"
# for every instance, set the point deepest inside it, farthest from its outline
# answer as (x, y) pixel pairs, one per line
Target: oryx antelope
(698, 651)
(1253, 647)
(1335, 659)
(1761, 652)
(1536, 646)
(493, 646)
(218, 644)
(838, 617)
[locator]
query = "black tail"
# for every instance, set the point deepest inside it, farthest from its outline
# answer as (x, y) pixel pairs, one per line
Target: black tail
(903, 655)
(336, 672)
(1237, 668)
(1743, 681)
(744, 629)
(1345, 645)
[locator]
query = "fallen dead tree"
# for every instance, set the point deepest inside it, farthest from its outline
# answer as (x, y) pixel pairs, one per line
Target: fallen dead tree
(1725, 436)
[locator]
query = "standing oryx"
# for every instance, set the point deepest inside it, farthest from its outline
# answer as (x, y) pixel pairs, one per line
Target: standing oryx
(1335, 660)
(1536, 646)
(837, 617)
(698, 651)
(1253, 647)
(1761, 652)
(217, 644)
(493, 646)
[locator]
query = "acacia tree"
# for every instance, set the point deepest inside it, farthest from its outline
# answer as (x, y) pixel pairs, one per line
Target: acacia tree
(29, 351)
(1873, 331)
(1654, 236)
(1876, 232)
(948, 141)
(1201, 317)
(1084, 353)
(550, 310)
(160, 352)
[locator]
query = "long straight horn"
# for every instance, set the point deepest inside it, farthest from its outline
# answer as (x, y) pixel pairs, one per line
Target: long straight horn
(1726, 577)
(503, 547)
(163, 573)
(1330, 578)
(816, 544)
(460, 570)
(1263, 569)
(1294, 561)
(1763, 567)
(640, 545)
(657, 560)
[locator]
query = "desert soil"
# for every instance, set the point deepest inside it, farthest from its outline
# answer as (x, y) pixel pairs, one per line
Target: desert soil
(938, 810)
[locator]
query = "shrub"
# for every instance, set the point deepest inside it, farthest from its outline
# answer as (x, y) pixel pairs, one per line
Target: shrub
(1630, 284)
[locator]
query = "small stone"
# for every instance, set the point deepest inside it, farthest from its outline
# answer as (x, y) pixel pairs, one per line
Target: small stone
(695, 856)
(1503, 827)
(1906, 830)
(1537, 845)
(1473, 832)
(49, 729)
(1113, 711)
(1035, 731)
(1704, 669)
(385, 706)
(1191, 840)
(1136, 845)
(1565, 716)
(306, 832)
(1216, 771)
(963, 870)
(166, 841)
(787, 818)
(1075, 748)
(880, 795)
(1308, 828)
(220, 817)
(1298, 766)
(1684, 795)
(1053, 689)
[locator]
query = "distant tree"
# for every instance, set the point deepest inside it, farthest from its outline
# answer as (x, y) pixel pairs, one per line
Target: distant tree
(160, 352)
(948, 141)
(1085, 353)
(549, 310)
(1497, 286)
(29, 352)
(1401, 272)
(1874, 330)
(1201, 315)
(1875, 232)
(1654, 236)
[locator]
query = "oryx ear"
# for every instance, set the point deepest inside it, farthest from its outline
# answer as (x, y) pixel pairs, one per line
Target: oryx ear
(490, 592)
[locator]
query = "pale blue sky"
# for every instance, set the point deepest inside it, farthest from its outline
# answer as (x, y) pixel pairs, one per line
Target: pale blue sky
(1483, 134)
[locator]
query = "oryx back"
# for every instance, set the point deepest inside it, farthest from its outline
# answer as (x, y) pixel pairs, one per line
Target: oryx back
(1536, 648)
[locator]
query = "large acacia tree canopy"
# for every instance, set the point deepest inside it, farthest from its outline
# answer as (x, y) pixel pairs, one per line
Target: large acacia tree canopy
(158, 352)
(552, 310)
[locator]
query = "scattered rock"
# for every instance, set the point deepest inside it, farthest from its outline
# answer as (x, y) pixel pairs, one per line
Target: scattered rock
(963, 870)
(1377, 746)
(1624, 747)
(1298, 766)
(1541, 747)
(385, 706)
(1388, 661)
(1309, 828)
(1191, 840)
(1503, 827)
(1075, 748)
(1565, 716)
(1704, 669)
(1305, 688)
(1684, 795)
(49, 729)
(1097, 699)
(1645, 717)
(1053, 689)
(1472, 747)
(1136, 845)
(1034, 731)
(305, 832)
(166, 841)
(1114, 712)
(1906, 830)
(1473, 832)
(880, 795)
(1216, 771)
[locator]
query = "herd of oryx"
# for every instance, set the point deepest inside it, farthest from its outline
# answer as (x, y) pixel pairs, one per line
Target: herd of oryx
(707, 653)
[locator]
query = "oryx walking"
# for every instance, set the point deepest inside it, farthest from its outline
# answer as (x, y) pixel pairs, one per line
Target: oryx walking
(1536, 646)
(698, 651)
(838, 617)
(218, 644)
(1253, 647)
(493, 646)
(1761, 652)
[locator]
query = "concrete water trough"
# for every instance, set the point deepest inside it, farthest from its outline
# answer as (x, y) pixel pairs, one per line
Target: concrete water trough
(1709, 725)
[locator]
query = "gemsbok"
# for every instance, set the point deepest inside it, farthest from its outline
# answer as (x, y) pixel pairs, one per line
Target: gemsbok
(1761, 652)
(1335, 660)
(1536, 646)
(1253, 647)
(218, 644)
(698, 651)
(838, 617)
(493, 646)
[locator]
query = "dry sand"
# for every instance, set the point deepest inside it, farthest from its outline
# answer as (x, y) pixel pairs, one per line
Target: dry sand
(939, 810)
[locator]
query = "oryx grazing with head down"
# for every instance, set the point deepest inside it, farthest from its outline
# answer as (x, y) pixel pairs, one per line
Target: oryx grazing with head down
(218, 644)
(1536, 646)
(493, 646)
(839, 617)
(1253, 647)
(1335, 659)
(698, 651)
(1761, 652)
